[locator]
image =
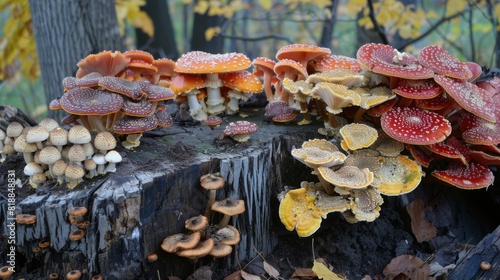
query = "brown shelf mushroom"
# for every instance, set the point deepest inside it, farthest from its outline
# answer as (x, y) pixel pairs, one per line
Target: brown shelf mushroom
(74, 275)
(212, 183)
(180, 241)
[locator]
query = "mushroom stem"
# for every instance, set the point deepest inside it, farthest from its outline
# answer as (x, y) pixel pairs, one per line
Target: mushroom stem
(86, 123)
(211, 200)
(359, 115)
(96, 121)
(329, 189)
(332, 120)
(305, 113)
(224, 221)
(320, 106)
(267, 87)
(195, 107)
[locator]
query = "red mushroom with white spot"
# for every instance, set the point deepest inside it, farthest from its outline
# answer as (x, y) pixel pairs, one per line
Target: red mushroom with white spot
(470, 177)
(439, 60)
(415, 126)
(240, 130)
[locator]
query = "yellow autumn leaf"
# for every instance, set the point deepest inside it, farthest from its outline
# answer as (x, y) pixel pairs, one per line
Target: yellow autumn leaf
(201, 7)
(144, 22)
(323, 272)
(266, 4)
(211, 32)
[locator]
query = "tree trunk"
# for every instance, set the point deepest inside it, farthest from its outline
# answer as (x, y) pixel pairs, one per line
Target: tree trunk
(67, 31)
(329, 27)
(163, 43)
(198, 41)
(155, 189)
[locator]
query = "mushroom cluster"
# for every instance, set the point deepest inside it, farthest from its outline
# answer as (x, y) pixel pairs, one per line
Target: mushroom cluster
(391, 114)
(351, 182)
(212, 84)
(203, 237)
(54, 153)
(119, 93)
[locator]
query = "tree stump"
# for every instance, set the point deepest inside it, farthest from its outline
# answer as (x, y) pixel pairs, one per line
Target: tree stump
(155, 189)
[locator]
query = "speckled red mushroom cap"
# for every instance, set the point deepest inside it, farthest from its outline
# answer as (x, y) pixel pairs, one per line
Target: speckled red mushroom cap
(88, 101)
(472, 98)
(380, 109)
(106, 63)
(212, 121)
(386, 60)
(159, 93)
(436, 103)
(164, 118)
(421, 155)
(331, 62)
(89, 80)
(475, 69)
(198, 62)
(243, 81)
(287, 68)
(439, 60)
(485, 133)
(240, 127)
(122, 86)
(55, 104)
(301, 53)
(446, 150)
(141, 108)
(415, 126)
(472, 176)
(418, 89)
(133, 125)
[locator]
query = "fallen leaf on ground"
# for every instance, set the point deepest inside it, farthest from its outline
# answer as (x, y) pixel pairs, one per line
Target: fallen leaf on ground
(306, 273)
(273, 272)
(234, 276)
(248, 276)
(323, 272)
(421, 228)
(407, 265)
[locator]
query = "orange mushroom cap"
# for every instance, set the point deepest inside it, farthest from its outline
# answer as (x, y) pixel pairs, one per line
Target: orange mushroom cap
(301, 53)
(185, 82)
(243, 81)
(287, 68)
(331, 62)
(106, 63)
(198, 62)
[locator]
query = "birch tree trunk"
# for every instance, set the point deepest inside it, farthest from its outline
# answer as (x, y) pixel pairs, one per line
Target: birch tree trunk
(67, 31)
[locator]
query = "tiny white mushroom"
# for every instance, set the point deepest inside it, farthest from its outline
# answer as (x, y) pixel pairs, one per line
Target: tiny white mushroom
(112, 157)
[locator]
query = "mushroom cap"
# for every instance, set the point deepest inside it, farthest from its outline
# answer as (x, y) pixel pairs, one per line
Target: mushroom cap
(165, 67)
(76, 235)
(76, 153)
(365, 204)
(139, 55)
(88, 101)
(79, 134)
(58, 136)
(198, 62)
(163, 117)
(78, 211)
(439, 60)
(55, 104)
(221, 250)
(184, 83)
(106, 63)
(262, 65)
(6, 271)
(180, 241)
(485, 133)
(324, 202)
(446, 150)
(89, 80)
(230, 207)
(380, 58)
(22, 146)
(32, 168)
(398, 175)
(73, 275)
(37, 134)
(315, 157)
(471, 97)
(133, 125)
(25, 219)
(113, 156)
(158, 93)
(74, 172)
(140, 108)
(387, 146)
(14, 129)
(105, 140)
(415, 126)
(336, 96)
(212, 182)
(243, 81)
(358, 135)
(470, 177)
(297, 211)
(201, 249)
(49, 123)
(331, 62)
(240, 128)
(301, 52)
(475, 69)
(379, 109)
(196, 223)
(49, 155)
(418, 89)
(344, 77)
(287, 68)
(212, 121)
(436, 103)
(59, 167)
(322, 144)
(227, 235)
(122, 86)
(347, 176)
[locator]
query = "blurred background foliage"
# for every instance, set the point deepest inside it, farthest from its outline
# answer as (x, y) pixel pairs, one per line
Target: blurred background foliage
(467, 29)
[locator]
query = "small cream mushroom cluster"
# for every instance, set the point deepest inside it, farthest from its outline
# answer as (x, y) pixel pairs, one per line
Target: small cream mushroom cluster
(122, 93)
(205, 238)
(351, 183)
(52, 152)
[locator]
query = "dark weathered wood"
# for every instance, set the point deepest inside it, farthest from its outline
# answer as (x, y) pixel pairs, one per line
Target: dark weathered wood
(153, 192)
(488, 250)
(67, 31)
